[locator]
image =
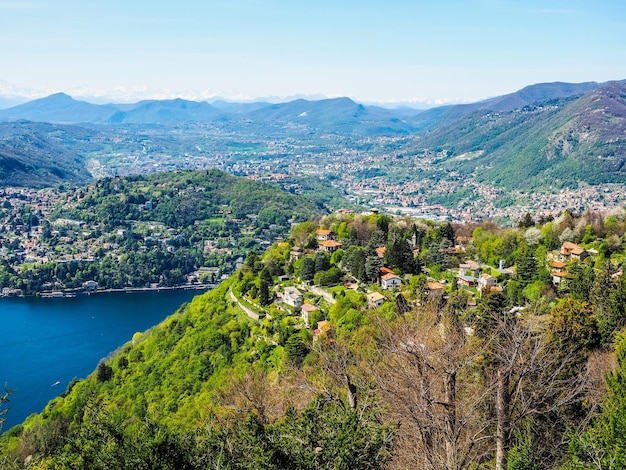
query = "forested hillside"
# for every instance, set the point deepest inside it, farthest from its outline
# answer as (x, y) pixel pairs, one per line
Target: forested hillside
(37, 154)
(370, 342)
(163, 230)
(550, 144)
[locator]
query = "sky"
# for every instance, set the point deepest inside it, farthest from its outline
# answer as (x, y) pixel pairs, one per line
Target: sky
(391, 51)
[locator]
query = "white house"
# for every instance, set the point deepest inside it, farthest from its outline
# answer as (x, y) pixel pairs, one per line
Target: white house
(293, 297)
(306, 310)
(329, 246)
(390, 281)
(486, 280)
(323, 235)
(375, 299)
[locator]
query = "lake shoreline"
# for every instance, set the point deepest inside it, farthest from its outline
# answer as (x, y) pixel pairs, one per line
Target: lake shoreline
(70, 293)
(46, 341)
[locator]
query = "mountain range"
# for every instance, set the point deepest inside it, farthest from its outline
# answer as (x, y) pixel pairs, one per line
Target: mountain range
(41, 154)
(552, 143)
(550, 134)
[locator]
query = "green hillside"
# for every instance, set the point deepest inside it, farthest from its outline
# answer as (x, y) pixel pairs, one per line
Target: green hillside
(162, 230)
(431, 371)
(37, 155)
(554, 144)
(178, 199)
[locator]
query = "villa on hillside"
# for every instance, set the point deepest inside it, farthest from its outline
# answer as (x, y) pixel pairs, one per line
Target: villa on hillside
(486, 280)
(293, 297)
(464, 268)
(306, 310)
(468, 281)
(390, 281)
(558, 276)
(324, 327)
(375, 299)
(329, 246)
(435, 289)
(323, 235)
(571, 251)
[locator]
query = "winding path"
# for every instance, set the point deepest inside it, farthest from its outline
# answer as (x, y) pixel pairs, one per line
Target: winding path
(251, 313)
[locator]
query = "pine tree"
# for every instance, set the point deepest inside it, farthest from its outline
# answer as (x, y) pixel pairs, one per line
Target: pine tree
(526, 265)
(265, 284)
(307, 271)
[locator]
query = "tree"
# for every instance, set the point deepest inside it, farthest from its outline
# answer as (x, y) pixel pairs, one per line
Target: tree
(328, 278)
(533, 384)
(532, 236)
(402, 306)
(307, 271)
(399, 255)
(372, 268)
(572, 327)
(580, 281)
(296, 349)
(253, 261)
(526, 221)
(445, 230)
(354, 262)
(526, 265)
(322, 263)
(608, 299)
(603, 444)
(302, 232)
(265, 284)
(423, 374)
(104, 372)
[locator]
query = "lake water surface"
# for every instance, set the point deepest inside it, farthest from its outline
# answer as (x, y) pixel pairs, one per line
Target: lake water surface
(45, 343)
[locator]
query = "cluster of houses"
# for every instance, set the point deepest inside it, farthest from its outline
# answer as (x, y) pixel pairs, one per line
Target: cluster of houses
(470, 274)
(569, 252)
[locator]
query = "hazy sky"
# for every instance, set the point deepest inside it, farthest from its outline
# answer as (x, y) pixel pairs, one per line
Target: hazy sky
(383, 50)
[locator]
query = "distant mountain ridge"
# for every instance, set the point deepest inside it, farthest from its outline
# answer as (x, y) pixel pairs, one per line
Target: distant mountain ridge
(554, 143)
(60, 108)
(547, 135)
(36, 154)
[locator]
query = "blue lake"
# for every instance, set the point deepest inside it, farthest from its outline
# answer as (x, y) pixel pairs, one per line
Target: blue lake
(45, 343)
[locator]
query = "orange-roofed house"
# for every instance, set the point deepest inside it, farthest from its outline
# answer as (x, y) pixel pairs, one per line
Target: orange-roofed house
(435, 286)
(390, 281)
(323, 327)
(323, 235)
(329, 246)
(558, 276)
(571, 250)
